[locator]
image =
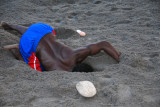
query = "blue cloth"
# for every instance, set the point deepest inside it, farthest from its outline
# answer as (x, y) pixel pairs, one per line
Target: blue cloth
(30, 39)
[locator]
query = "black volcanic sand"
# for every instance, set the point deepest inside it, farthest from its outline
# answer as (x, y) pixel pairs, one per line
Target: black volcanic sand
(131, 26)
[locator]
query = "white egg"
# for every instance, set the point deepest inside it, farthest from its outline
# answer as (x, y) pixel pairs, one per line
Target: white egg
(86, 88)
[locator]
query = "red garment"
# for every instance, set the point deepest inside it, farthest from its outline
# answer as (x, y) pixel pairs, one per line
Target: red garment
(34, 62)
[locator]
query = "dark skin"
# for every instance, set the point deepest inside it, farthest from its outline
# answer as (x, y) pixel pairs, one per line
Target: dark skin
(56, 56)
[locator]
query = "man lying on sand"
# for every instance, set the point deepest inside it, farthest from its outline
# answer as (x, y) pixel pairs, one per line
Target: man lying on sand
(39, 48)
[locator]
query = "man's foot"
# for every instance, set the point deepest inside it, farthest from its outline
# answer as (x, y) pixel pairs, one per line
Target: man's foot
(6, 26)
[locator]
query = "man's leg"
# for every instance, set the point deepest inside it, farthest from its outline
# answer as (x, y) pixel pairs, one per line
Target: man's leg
(19, 28)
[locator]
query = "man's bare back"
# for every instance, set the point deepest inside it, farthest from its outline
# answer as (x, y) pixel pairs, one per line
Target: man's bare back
(54, 55)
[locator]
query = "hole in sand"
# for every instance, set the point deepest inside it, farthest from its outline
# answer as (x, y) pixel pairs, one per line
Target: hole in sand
(100, 61)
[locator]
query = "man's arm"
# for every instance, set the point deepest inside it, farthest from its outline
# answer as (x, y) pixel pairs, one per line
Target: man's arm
(93, 49)
(14, 48)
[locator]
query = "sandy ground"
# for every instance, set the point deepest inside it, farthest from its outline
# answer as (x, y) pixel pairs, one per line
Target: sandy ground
(131, 26)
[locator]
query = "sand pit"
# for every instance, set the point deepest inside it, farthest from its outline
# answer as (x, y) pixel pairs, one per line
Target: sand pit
(131, 26)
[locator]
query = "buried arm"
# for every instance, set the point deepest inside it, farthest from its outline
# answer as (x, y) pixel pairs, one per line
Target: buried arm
(93, 49)
(14, 48)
